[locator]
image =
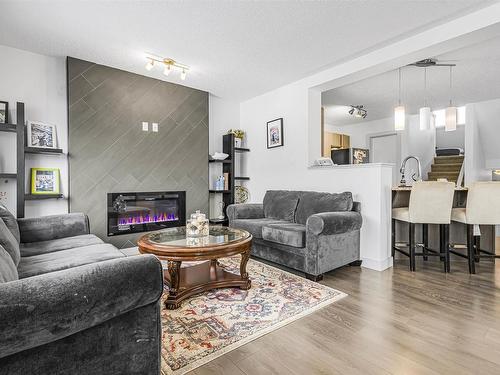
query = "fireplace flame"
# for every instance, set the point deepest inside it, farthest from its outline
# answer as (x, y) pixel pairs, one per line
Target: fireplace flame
(144, 219)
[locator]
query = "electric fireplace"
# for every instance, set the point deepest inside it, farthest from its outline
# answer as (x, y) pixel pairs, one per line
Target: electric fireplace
(146, 211)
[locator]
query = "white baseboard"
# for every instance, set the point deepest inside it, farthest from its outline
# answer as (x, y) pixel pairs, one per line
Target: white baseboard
(377, 265)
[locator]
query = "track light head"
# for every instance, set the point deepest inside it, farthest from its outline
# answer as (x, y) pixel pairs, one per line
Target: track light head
(150, 64)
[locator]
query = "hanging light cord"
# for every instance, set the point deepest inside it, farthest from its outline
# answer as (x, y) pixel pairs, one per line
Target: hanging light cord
(450, 86)
(399, 88)
(425, 87)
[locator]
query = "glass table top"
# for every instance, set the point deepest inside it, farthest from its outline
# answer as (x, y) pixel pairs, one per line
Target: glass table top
(177, 237)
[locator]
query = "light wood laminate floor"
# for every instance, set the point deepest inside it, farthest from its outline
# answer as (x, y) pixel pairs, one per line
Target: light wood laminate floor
(392, 322)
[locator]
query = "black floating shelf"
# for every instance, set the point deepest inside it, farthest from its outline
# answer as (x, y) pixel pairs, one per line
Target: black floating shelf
(8, 175)
(220, 191)
(226, 161)
(241, 149)
(35, 197)
(41, 150)
(242, 178)
(8, 128)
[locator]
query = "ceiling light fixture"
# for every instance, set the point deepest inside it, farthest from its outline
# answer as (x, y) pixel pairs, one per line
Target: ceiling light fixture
(425, 111)
(358, 111)
(399, 111)
(169, 65)
(450, 112)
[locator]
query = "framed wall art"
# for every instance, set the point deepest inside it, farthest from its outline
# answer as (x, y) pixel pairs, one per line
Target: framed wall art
(275, 133)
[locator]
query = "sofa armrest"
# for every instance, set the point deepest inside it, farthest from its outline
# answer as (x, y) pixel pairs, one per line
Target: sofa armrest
(328, 223)
(52, 227)
(356, 206)
(45, 308)
(245, 211)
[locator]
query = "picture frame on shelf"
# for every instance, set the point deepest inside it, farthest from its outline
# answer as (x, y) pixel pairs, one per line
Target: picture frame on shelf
(275, 133)
(41, 135)
(4, 112)
(45, 181)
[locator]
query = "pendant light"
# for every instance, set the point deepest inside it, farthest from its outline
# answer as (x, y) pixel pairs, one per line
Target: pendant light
(399, 111)
(450, 112)
(425, 111)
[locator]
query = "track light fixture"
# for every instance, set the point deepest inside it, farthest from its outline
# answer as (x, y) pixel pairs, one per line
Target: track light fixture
(358, 111)
(168, 65)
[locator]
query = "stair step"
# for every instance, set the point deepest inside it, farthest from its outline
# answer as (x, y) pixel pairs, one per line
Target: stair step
(445, 167)
(450, 176)
(448, 159)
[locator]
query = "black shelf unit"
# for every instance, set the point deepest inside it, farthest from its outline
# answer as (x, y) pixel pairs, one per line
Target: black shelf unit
(21, 150)
(41, 150)
(8, 175)
(19, 129)
(228, 196)
(36, 197)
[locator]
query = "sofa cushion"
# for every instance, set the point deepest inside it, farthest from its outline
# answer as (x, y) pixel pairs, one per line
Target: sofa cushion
(254, 226)
(290, 234)
(280, 204)
(8, 270)
(59, 260)
(10, 221)
(311, 203)
(43, 247)
(9, 243)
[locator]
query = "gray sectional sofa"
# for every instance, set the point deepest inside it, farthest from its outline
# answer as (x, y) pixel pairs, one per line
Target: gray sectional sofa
(71, 304)
(307, 231)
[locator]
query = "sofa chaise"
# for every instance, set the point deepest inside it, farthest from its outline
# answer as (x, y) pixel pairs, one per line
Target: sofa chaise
(311, 232)
(71, 304)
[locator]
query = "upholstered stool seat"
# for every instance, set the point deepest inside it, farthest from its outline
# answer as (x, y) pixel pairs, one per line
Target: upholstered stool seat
(483, 208)
(430, 203)
(401, 214)
(458, 214)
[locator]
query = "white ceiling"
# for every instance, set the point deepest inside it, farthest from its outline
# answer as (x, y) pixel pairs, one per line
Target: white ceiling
(236, 49)
(475, 78)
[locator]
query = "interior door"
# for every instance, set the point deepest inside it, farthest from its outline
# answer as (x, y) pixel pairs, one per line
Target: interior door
(385, 148)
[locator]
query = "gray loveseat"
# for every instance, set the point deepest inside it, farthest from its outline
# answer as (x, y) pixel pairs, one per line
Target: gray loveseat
(308, 231)
(71, 304)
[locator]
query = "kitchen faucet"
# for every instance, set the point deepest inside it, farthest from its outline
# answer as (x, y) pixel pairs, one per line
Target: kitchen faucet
(402, 170)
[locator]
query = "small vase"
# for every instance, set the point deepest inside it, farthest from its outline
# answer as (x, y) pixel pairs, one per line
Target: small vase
(237, 142)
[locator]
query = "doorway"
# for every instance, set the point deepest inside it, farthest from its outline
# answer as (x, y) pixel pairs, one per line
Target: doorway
(386, 148)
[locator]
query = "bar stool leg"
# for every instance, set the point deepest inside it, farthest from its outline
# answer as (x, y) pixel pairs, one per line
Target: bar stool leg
(425, 239)
(412, 246)
(441, 241)
(393, 237)
(446, 242)
(471, 251)
(477, 246)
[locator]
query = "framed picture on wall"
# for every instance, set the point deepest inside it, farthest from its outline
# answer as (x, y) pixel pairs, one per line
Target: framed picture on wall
(45, 181)
(275, 133)
(4, 112)
(360, 156)
(41, 135)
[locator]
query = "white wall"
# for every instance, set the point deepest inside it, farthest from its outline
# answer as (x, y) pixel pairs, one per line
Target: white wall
(475, 163)
(452, 139)
(40, 82)
(416, 142)
(487, 115)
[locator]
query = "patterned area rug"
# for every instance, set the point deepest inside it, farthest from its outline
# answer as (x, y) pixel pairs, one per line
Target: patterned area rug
(211, 324)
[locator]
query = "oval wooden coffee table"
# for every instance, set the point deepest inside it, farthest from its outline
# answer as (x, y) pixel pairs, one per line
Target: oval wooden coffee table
(172, 246)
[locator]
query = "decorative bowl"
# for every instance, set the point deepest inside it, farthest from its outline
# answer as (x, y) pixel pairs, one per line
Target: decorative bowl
(219, 156)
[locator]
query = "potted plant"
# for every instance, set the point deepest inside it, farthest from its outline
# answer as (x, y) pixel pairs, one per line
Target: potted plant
(238, 136)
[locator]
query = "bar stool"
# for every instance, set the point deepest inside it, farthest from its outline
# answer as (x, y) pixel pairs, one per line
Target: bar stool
(430, 203)
(483, 208)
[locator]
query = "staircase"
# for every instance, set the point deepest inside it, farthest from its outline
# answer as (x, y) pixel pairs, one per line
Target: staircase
(446, 167)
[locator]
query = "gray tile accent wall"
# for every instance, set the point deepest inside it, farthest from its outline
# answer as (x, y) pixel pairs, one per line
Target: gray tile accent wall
(109, 152)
